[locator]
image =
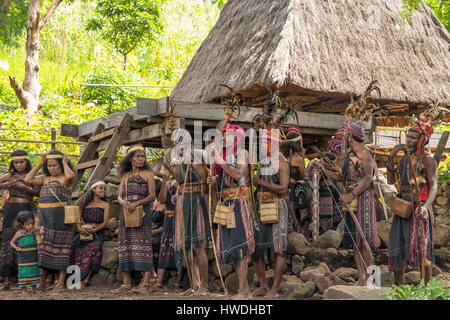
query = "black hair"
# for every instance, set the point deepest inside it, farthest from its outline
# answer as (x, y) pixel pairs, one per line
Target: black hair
(125, 165)
(21, 218)
(18, 153)
(60, 161)
(87, 197)
(287, 147)
(358, 139)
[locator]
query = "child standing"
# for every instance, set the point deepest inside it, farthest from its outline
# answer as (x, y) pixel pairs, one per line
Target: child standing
(28, 275)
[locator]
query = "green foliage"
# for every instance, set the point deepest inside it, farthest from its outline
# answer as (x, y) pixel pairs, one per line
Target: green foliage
(435, 290)
(14, 25)
(51, 116)
(113, 98)
(219, 3)
(444, 171)
(127, 24)
(440, 7)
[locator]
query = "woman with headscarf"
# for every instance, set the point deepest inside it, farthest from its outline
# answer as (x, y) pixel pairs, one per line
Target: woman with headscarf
(55, 183)
(20, 199)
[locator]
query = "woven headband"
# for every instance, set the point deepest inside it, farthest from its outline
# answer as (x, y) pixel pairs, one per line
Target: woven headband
(19, 158)
(55, 156)
(98, 183)
(135, 149)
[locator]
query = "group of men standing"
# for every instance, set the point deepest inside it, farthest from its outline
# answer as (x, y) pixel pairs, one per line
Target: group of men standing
(254, 208)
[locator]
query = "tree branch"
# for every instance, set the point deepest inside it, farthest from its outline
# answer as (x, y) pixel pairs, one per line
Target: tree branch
(4, 8)
(20, 93)
(49, 13)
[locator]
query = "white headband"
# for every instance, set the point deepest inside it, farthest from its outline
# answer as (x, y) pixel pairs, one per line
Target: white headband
(97, 184)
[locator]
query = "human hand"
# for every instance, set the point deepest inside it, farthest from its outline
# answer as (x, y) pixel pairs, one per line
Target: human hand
(211, 179)
(395, 150)
(41, 231)
(85, 232)
(132, 205)
(155, 204)
(42, 160)
(65, 160)
(18, 249)
(347, 198)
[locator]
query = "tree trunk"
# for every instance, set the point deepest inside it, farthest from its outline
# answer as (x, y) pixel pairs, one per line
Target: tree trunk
(28, 94)
(4, 8)
(125, 61)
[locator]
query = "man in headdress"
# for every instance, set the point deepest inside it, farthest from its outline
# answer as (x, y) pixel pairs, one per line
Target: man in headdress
(192, 232)
(231, 174)
(404, 236)
(271, 238)
(357, 173)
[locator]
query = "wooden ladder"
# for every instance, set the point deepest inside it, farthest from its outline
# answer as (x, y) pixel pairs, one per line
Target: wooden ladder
(112, 138)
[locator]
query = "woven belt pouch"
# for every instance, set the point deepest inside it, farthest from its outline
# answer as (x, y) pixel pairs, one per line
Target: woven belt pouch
(401, 208)
(269, 212)
(90, 237)
(72, 214)
(133, 218)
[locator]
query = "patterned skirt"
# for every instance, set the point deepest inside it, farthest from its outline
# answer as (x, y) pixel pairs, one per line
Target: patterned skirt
(8, 256)
(272, 238)
(28, 274)
(166, 259)
(54, 249)
(191, 224)
(403, 248)
(367, 219)
(236, 243)
(87, 254)
(135, 244)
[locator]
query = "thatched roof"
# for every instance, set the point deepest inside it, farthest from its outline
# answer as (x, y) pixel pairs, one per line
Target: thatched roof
(321, 48)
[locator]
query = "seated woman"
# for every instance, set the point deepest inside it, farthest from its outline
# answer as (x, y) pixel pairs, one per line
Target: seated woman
(95, 212)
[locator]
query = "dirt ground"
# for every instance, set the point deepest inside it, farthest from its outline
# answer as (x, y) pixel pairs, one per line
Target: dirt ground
(102, 292)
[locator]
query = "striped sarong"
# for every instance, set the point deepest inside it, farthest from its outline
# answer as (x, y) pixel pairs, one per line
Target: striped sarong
(28, 260)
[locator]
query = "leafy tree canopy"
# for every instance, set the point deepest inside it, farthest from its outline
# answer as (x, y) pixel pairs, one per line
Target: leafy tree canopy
(127, 24)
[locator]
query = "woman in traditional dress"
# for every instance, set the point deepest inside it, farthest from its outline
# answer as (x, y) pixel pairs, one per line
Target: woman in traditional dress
(137, 188)
(157, 223)
(95, 212)
(166, 258)
(20, 199)
(55, 183)
(292, 149)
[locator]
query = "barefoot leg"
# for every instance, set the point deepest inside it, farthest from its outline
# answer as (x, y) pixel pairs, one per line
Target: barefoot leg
(260, 269)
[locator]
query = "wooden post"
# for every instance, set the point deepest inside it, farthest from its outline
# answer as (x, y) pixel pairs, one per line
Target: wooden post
(53, 132)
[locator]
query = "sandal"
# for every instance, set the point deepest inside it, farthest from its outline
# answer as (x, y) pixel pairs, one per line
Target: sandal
(122, 289)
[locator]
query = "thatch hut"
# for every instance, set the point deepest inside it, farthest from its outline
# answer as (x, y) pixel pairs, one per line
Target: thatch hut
(318, 51)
